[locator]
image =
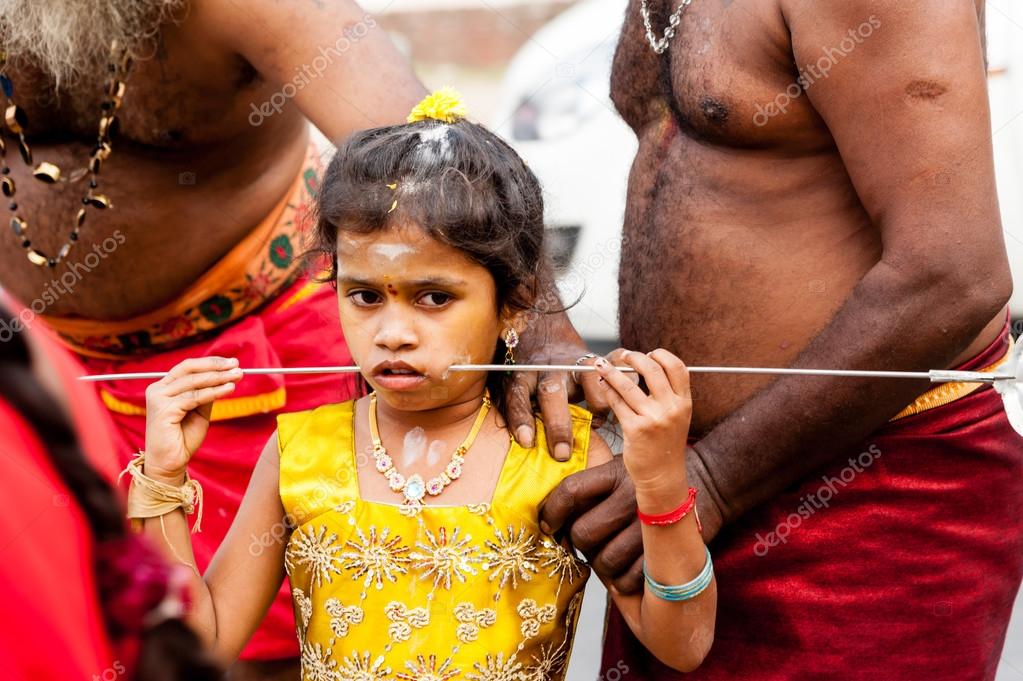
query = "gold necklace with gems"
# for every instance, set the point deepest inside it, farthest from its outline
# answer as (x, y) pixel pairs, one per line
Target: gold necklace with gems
(414, 489)
(48, 173)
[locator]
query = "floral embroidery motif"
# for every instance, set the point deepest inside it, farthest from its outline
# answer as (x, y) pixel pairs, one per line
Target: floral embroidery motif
(404, 620)
(377, 557)
(471, 621)
(510, 558)
(281, 253)
(305, 610)
(315, 548)
(444, 558)
(559, 563)
(318, 663)
(479, 509)
(216, 309)
(497, 669)
(534, 616)
(423, 670)
(342, 616)
(358, 668)
(550, 662)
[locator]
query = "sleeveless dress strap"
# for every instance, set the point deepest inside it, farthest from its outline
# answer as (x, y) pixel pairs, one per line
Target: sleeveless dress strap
(317, 460)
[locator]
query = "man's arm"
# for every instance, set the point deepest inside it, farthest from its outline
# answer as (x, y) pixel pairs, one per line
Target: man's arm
(336, 61)
(908, 110)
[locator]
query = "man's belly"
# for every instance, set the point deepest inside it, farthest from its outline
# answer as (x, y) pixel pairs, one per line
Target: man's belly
(737, 259)
(174, 214)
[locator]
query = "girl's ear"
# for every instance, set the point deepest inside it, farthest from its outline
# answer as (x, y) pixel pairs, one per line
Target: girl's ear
(516, 320)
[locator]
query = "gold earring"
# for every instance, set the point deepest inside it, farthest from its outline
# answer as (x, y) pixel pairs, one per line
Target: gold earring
(511, 341)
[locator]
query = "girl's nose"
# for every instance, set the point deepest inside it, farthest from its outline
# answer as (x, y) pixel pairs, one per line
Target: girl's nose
(396, 333)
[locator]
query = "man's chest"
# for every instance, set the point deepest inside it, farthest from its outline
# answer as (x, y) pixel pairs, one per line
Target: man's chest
(178, 95)
(728, 62)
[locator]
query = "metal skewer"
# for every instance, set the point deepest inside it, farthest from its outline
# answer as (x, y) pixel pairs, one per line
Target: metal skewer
(1006, 381)
(934, 375)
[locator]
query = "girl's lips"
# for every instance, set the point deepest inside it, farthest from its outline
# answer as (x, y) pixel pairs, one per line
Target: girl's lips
(399, 382)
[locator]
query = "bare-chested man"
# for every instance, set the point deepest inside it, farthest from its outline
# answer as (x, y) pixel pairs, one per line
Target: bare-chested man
(210, 178)
(814, 188)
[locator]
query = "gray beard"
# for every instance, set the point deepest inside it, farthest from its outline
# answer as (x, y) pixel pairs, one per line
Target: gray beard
(70, 40)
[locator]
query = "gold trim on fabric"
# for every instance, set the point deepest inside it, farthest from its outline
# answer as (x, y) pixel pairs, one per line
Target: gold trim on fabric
(946, 393)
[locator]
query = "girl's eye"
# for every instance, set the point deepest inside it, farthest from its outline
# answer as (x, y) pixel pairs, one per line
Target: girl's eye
(364, 297)
(435, 299)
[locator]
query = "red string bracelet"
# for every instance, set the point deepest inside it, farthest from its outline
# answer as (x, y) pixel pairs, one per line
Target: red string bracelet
(672, 517)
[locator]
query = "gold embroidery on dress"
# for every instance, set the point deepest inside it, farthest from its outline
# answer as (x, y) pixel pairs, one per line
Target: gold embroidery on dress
(471, 621)
(533, 616)
(562, 564)
(358, 667)
(376, 557)
(497, 669)
(444, 558)
(423, 670)
(403, 620)
(305, 610)
(318, 663)
(463, 593)
(342, 616)
(315, 548)
(552, 661)
(548, 664)
(510, 558)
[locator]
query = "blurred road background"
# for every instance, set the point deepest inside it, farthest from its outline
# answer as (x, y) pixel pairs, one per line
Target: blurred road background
(537, 71)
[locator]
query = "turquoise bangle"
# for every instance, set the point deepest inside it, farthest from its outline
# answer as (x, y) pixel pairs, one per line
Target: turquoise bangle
(683, 592)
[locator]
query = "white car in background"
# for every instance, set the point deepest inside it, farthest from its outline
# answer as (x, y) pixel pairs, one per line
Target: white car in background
(556, 111)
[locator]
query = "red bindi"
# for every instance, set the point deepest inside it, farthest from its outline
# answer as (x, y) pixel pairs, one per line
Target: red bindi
(393, 291)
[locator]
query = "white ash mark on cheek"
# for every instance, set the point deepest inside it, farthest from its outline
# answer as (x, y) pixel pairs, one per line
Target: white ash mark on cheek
(414, 447)
(460, 358)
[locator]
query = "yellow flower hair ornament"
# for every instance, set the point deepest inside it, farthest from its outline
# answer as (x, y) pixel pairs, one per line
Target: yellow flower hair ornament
(443, 105)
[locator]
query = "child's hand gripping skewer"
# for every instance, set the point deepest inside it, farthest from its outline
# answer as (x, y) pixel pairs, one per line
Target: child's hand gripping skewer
(178, 408)
(655, 426)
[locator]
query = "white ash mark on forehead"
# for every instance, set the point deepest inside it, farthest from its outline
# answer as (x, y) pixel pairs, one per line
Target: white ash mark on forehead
(393, 251)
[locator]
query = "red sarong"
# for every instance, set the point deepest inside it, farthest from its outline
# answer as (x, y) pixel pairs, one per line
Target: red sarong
(299, 328)
(902, 567)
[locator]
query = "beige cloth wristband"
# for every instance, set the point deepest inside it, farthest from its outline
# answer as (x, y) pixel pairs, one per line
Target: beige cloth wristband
(149, 498)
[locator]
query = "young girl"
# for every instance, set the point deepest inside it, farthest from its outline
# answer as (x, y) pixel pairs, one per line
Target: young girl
(407, 520)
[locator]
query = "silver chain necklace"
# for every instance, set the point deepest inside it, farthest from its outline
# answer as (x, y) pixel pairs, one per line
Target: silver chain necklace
(660, 45)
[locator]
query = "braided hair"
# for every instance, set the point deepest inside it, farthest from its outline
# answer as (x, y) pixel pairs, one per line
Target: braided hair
(168, 650)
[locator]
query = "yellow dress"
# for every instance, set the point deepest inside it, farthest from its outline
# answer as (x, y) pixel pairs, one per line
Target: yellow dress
(473, 592)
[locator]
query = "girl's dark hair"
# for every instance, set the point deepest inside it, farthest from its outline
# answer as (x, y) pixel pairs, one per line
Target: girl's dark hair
(168, 651)
(459, 183)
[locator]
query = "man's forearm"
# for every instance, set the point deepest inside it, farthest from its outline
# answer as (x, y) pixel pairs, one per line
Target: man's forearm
(798, 424)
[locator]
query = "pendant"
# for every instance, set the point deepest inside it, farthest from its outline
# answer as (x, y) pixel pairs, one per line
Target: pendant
(414, 490)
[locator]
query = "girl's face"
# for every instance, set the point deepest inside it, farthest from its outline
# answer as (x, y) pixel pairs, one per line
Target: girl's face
(412, 306)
